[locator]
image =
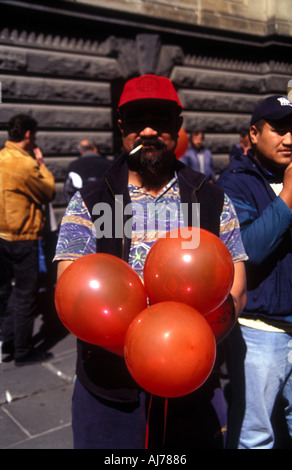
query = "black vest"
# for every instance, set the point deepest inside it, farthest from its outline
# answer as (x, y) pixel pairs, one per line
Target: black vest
(102, 373)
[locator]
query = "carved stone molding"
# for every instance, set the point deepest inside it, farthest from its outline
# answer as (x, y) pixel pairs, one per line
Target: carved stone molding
(143, 54)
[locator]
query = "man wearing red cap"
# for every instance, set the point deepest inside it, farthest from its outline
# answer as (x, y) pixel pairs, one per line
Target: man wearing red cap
(260, 186)
(108, 406)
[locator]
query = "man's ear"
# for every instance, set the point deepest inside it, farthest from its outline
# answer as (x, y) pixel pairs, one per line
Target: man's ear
(253, 134)
(120, 126)
(27, 135)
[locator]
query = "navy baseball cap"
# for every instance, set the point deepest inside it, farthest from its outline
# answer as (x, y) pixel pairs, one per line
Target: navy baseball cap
(272, 108)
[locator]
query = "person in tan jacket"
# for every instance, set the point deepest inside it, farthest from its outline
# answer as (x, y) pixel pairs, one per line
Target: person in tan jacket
(25, 186)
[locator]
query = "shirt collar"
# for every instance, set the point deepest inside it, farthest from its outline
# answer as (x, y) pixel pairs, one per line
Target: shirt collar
(14, 146)
(136, 189)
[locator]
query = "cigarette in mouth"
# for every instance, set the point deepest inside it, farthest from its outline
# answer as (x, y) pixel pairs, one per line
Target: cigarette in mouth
(136, 149)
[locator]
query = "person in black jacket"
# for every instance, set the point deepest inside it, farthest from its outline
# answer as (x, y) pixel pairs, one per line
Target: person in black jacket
(108, 406)
(241, 148)
(89, 167)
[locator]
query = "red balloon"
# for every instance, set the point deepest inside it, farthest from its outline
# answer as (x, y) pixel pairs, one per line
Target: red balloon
(97, 297)
(182, 144)
(223, 319)
(170, 349)
(199, 276)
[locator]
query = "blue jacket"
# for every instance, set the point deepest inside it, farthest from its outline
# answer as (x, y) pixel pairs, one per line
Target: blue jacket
(191, 159)
(266, 223)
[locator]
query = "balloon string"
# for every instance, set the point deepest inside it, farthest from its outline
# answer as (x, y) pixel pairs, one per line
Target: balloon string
(148, 419)
(165, 419)
(147, 424)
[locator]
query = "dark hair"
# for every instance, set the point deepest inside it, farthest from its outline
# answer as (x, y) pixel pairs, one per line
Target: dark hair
(19, 124)
(243, 132)
(260, 124)
(197, 131)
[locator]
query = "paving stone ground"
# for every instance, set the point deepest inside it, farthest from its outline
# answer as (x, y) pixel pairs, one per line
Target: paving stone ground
(35, 400)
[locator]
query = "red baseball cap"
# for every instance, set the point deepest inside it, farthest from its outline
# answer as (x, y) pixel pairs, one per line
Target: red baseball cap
(149, 87)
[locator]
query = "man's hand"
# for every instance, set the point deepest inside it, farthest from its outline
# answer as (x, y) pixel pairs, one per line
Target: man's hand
(286, 193)
(38, 156)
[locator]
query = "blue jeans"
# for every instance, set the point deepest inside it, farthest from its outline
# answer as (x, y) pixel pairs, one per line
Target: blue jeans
(260, 371)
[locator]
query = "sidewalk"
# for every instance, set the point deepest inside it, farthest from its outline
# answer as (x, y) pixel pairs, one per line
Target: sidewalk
(35, 400)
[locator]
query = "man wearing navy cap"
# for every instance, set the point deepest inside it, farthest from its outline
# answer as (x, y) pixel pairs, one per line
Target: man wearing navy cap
(260, 349)
(108, 406)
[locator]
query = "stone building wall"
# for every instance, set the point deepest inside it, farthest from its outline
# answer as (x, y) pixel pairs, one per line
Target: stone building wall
(260, 17)
(65, 64)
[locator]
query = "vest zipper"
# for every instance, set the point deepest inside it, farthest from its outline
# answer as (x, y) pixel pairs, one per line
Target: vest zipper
(195, 196)
(122, 211)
